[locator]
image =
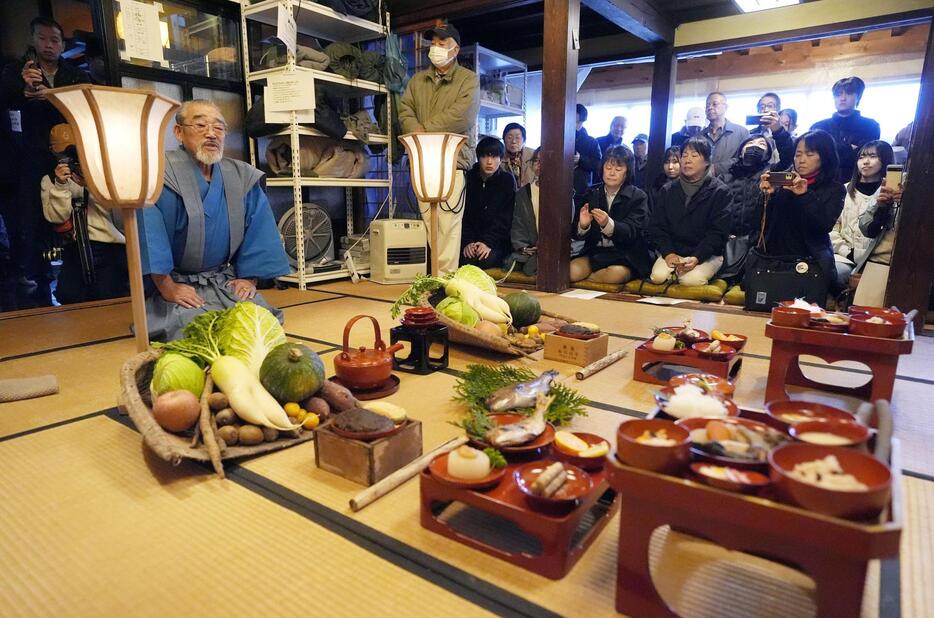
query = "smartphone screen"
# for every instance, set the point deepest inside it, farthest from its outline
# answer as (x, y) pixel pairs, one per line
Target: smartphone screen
(752, 121)
(893, 176)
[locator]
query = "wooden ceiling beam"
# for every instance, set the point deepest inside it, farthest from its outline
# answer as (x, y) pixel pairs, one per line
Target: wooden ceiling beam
(637, 17)
(426, 14)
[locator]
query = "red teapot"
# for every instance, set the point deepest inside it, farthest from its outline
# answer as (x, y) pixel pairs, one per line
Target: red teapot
(366, 367)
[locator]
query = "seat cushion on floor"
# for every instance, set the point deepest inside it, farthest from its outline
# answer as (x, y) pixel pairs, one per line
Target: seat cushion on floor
(609, 288)
(513, 277)
(735, 296)
(711, 293)
(646, 287)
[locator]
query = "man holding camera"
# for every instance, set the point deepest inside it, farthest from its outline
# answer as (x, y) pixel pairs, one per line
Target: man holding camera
(94, 263)
(22, 92)
(768, 124)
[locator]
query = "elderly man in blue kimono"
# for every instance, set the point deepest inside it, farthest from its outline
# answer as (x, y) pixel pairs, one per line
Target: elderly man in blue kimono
(211, 234)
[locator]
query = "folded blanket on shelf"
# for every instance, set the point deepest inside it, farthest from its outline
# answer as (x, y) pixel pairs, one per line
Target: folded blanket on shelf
(318, 157)
(361, 124)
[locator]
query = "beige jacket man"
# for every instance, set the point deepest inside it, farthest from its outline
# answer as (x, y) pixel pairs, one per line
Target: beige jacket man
(445, 100)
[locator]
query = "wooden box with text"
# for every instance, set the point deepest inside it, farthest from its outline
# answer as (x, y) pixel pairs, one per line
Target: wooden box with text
(579, 352)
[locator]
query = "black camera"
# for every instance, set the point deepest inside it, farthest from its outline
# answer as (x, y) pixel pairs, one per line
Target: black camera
(73, 164)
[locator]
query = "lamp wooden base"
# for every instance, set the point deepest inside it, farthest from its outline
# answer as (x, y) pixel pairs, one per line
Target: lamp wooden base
(135, 271)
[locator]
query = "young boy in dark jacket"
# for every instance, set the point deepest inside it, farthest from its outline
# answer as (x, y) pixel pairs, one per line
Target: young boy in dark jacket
(488, 209)
(690, 221)
(847, 126)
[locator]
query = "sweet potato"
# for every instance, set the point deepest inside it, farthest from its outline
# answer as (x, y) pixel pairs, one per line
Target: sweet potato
(338, 397)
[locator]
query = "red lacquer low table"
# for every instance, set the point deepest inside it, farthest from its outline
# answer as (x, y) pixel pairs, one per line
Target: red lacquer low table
(834, 552)
(879, 354)
(656, 368)
(563, 536)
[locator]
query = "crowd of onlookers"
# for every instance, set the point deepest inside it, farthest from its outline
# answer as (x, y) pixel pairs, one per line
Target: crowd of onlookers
(729, 202)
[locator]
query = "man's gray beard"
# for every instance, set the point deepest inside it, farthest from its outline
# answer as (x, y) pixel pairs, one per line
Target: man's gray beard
(207, 158)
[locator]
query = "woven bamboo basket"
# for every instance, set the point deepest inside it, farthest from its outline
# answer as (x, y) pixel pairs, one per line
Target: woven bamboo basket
(459, 333)
(134, 380)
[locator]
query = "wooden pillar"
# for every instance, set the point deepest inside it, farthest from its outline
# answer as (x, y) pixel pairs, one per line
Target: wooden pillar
(663, 95)
(559, 99)
(912, 268)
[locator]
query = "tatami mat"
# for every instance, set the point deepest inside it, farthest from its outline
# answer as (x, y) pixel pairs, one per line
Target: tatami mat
(113, 459)
(98, 530)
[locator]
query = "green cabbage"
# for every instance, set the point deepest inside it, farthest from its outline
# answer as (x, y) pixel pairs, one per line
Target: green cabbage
(174, 372)
(475, 275)
(249, 332)
(459, 311)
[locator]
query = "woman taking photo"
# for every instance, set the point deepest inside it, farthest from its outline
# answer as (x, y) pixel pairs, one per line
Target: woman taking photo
(690, 221)
(850, 245)
(610, 223)
(800, 216)
(671, 169)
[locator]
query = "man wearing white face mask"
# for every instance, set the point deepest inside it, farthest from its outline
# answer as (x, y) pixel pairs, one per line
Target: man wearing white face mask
(445, 97)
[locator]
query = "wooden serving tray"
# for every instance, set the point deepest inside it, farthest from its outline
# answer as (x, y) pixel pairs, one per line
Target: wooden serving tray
(656, 368)
(834, 552)
(562, 536)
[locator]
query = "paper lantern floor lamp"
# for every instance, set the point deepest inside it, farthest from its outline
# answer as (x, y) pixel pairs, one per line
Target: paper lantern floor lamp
(432, 164)
(120, 135)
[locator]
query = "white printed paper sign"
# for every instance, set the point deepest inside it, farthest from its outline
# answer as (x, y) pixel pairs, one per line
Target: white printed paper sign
(141, 34)
(286, 30)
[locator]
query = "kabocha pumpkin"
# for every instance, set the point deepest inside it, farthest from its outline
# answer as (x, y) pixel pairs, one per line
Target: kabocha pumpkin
(525, 309)
(292, 372)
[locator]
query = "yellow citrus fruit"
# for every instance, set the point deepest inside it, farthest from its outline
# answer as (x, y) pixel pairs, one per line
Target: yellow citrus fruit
(292, 408)
(311, 421)
(533, 330)
(597, 450)
(569, 443)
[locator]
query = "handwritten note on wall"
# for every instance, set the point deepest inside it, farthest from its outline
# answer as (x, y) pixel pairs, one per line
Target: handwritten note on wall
(141, 34)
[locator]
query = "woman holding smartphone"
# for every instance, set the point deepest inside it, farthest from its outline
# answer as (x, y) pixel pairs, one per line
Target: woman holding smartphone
(610, 223)
(878, 222)
(850, 245)
(799, 216)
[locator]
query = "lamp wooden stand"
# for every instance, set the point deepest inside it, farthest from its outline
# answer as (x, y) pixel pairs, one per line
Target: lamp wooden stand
(432, 165)
(120, 171)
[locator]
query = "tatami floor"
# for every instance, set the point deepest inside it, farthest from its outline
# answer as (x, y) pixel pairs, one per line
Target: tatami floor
(92, 524)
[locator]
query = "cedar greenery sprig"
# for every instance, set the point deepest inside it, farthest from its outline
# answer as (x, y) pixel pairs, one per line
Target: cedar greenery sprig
(481, 381)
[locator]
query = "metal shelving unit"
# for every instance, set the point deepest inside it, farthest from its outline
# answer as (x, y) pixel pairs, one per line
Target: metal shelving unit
(321, 22)
(494, 65)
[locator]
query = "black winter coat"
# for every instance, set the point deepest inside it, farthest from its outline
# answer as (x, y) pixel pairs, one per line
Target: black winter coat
(785, 146)
(698, 228)
(799, 225)
(488, 209)
(746, 209)
(587, 170)
(850, 133)
(630, 214)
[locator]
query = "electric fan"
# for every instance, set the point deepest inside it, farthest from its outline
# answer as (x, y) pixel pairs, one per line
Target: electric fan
(319, 238)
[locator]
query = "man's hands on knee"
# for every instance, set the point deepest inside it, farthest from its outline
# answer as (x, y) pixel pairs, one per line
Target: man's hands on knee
(179, 293)
(245, 289)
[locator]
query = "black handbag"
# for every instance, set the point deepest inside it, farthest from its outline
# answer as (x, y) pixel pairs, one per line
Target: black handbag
(735, 254)
(771, 279)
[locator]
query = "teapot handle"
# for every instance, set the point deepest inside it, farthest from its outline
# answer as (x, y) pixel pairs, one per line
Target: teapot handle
(379, 345)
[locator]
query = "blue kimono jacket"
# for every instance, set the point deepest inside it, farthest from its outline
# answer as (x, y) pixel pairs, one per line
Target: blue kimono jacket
(234, 235)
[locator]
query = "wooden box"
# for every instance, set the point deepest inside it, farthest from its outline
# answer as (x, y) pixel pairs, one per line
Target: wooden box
(368, 462)
(575, 351)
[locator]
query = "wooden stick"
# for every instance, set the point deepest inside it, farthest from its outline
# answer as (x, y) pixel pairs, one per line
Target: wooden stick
(603, 363)
(137, 297)
(380, 489)
(207, 433)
